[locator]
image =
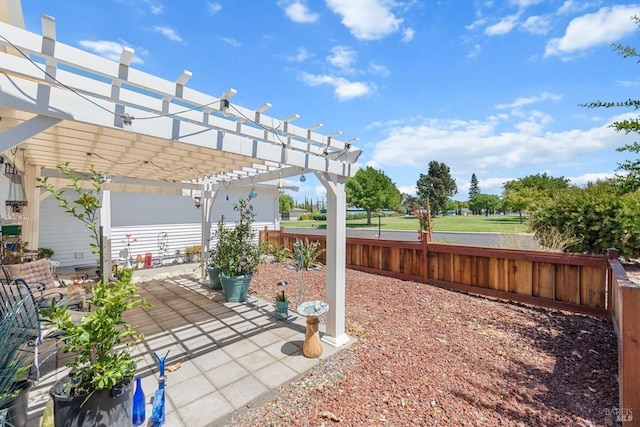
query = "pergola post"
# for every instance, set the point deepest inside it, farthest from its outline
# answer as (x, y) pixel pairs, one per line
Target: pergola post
(336, 258)
(208, 197)
(105, 222)
(31, 227)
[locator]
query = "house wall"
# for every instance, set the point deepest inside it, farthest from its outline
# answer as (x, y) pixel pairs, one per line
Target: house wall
(160, 224)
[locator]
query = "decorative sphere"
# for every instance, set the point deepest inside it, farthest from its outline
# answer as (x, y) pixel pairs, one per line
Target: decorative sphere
(302, 178)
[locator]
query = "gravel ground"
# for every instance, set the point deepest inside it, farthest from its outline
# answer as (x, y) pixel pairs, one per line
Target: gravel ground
(428, 356)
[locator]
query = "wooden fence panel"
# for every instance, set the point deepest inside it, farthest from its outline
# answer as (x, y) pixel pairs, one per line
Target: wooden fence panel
(482, 273)
(591, 294)
(520, 278)
(568, 284)
(498, 273)
(544, 280)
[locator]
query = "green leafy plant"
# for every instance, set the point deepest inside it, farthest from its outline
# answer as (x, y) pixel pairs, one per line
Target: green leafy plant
(193, 250)
(45, 252)
(306, 253)
(238, 252)
(282, 296)
(13, 359)
(100, 342)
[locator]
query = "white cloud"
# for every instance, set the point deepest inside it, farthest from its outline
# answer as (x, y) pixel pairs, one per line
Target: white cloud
(213, 7)
(155, 7)
(483, 146)
(536, 25)
(230, 41)
(298, 12)
(377, 69)
(366, 19)
(590, 177)
(300, 56)
(475, 51)
(572, 6)
(169, 33)
(344, 89)
(605, 26)
(526, 3)
(407, 35)
(108, 49)
(343, 57)
(523, 101)
(503, 27)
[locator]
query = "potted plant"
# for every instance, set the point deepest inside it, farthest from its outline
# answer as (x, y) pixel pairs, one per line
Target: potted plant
(237, 253)
(99, 389)
(282, 305)
(14, 382)
(192, 252)
(212, 270)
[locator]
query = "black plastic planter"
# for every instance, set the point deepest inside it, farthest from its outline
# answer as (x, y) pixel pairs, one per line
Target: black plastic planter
(105, 408)
(17, 407)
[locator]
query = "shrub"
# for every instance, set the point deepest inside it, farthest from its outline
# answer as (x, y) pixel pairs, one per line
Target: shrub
(306, 253)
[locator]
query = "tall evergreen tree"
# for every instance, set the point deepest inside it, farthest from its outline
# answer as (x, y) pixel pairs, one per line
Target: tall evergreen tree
(474, 188)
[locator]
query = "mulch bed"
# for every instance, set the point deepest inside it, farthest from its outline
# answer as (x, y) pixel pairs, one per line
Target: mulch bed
(429, 356)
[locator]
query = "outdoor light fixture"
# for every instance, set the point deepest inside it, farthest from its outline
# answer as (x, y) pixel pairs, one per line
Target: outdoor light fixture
(198, 201)
(127, 122)
(224, 106)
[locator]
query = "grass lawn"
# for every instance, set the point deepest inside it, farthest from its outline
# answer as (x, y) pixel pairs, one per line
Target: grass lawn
(491, 223)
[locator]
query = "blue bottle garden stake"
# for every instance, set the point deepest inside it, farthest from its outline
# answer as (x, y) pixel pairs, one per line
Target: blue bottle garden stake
(138, 404)
(158, 411)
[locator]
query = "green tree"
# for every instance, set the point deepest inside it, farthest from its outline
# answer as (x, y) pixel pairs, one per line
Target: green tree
(629, 181)
(525, 194)
(437, 186)
(371, 189)
(474, 188)
(285, 202)
(489, 203)
(409, 202)
(598, 215)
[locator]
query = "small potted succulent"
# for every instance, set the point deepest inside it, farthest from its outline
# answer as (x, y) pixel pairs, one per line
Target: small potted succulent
(282, 305)
(192, 252)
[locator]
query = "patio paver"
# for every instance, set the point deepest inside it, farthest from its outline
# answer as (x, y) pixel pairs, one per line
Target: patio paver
(229, 353)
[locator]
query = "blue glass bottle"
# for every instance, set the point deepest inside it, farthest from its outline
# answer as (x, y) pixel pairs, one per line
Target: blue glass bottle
(138, 404)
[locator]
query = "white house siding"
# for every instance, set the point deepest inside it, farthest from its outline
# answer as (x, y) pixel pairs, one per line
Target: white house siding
(147, 217)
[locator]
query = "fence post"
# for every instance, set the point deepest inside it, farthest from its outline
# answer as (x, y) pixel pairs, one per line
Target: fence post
(612, 253)
(426, 238)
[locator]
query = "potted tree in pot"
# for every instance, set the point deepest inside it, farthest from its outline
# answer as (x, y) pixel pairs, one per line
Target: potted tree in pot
(237, 253)
(99, 389)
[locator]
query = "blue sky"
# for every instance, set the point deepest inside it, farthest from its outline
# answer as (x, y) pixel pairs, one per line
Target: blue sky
(487, 87)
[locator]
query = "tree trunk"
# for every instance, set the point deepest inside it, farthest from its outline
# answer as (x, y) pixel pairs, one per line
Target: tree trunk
(368, 217)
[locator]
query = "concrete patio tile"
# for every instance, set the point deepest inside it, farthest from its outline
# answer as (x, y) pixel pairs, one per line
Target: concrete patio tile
(300, 363)
(226, 374)
(186, 372)
(202, 411)
(264, 338)
(243, 391)
(173, 419)
(211, 360)
(275, 374)
(281, 349)
(256, 360)
(239, 348)
(189, 391)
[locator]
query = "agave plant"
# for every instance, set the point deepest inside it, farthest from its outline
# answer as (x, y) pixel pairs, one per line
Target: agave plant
(14, 333)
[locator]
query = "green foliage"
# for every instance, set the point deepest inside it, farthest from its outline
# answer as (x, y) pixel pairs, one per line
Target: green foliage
(13, 359)
(285, 202)
(87, 204)
(596, 214)
(306, 253)
(409, 202)
(487, 203)
(474, 187)
(100, 342)
(193, 250)
(279, 252)
(238, 252)
(282, 296)
(526, 194)
(45, 252)
(630, 180)
(371, 189)
(437, 186)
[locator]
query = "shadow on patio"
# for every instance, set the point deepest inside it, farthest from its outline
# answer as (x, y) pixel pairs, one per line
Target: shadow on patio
(226, 354)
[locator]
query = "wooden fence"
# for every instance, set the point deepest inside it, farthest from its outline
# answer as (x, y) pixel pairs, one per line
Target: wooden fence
(556, 280)
(625, 316)
(596, 285)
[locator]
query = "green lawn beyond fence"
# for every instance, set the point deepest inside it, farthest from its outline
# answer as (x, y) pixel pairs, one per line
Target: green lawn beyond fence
(491, 223)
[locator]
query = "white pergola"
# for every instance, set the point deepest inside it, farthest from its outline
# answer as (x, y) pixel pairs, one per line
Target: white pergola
(61, 104)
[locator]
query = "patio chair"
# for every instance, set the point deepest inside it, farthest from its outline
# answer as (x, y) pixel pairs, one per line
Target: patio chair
(39, 276)
(16, 297)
